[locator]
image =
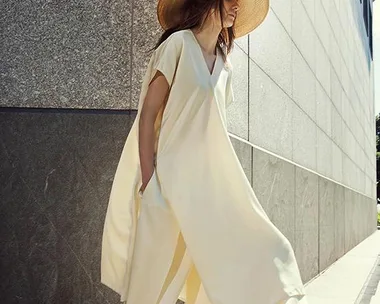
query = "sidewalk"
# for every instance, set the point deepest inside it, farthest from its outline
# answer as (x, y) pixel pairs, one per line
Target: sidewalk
(353, 279)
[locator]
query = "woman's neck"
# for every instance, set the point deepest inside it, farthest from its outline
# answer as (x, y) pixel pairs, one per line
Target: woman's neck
(207, 38)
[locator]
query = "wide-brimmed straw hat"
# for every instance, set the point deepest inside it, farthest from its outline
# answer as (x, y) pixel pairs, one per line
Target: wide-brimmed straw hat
(250, 15)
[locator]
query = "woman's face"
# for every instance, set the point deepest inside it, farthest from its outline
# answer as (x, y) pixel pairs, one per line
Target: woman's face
(229, 13)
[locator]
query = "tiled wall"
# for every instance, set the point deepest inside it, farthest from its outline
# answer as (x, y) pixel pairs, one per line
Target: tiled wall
(305, 91)
(302, 125)
(305, 105)
(304, 109)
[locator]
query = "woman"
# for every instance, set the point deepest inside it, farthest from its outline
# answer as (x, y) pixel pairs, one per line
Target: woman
(183, 220)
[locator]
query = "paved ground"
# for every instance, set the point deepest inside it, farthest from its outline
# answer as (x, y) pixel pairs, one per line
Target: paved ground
(353, 279)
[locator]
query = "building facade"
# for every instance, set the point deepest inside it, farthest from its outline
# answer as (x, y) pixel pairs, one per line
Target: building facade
(302, 124)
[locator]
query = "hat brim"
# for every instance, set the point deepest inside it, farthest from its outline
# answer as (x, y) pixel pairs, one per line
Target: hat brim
(250, 15)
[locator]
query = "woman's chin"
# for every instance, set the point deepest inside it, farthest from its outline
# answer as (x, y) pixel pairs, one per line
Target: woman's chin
(228, 23)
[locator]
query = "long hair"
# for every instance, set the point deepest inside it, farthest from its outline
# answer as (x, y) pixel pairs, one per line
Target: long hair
(193, 14)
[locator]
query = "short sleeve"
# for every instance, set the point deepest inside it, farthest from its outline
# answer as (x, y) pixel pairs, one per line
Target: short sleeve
(229, 90)
(167, 55)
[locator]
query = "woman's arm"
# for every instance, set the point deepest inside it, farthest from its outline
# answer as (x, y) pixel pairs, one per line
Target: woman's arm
(154, 99)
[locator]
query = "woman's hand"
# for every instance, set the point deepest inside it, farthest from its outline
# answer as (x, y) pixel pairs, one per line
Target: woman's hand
(145, 181)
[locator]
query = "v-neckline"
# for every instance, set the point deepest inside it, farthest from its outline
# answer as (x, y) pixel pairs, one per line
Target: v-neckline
(210, 73)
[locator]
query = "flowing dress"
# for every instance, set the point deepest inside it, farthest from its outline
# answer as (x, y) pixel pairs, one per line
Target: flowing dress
(198, 232)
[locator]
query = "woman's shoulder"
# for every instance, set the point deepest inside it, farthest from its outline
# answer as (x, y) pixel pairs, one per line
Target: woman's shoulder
(179, 37)
(174, 41)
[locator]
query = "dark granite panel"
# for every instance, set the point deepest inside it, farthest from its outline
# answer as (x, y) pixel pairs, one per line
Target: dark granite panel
(57, 171)
(72, 54)
(22, 228)
(6, 167)
(37, 265)
(38, 142)
(34, 145)
(15, 197)
(77, 208)
(99, 143)
(28, 259)
(74, 284)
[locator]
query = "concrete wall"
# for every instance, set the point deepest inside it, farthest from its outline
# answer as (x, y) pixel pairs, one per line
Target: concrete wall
(302, 126)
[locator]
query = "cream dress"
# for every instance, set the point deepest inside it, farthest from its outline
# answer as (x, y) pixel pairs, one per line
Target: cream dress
(198, 232)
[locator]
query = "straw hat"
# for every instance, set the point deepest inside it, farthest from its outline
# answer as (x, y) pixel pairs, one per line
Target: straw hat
(250, 15)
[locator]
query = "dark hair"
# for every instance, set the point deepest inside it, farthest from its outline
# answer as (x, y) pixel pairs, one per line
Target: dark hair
(193, 14)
